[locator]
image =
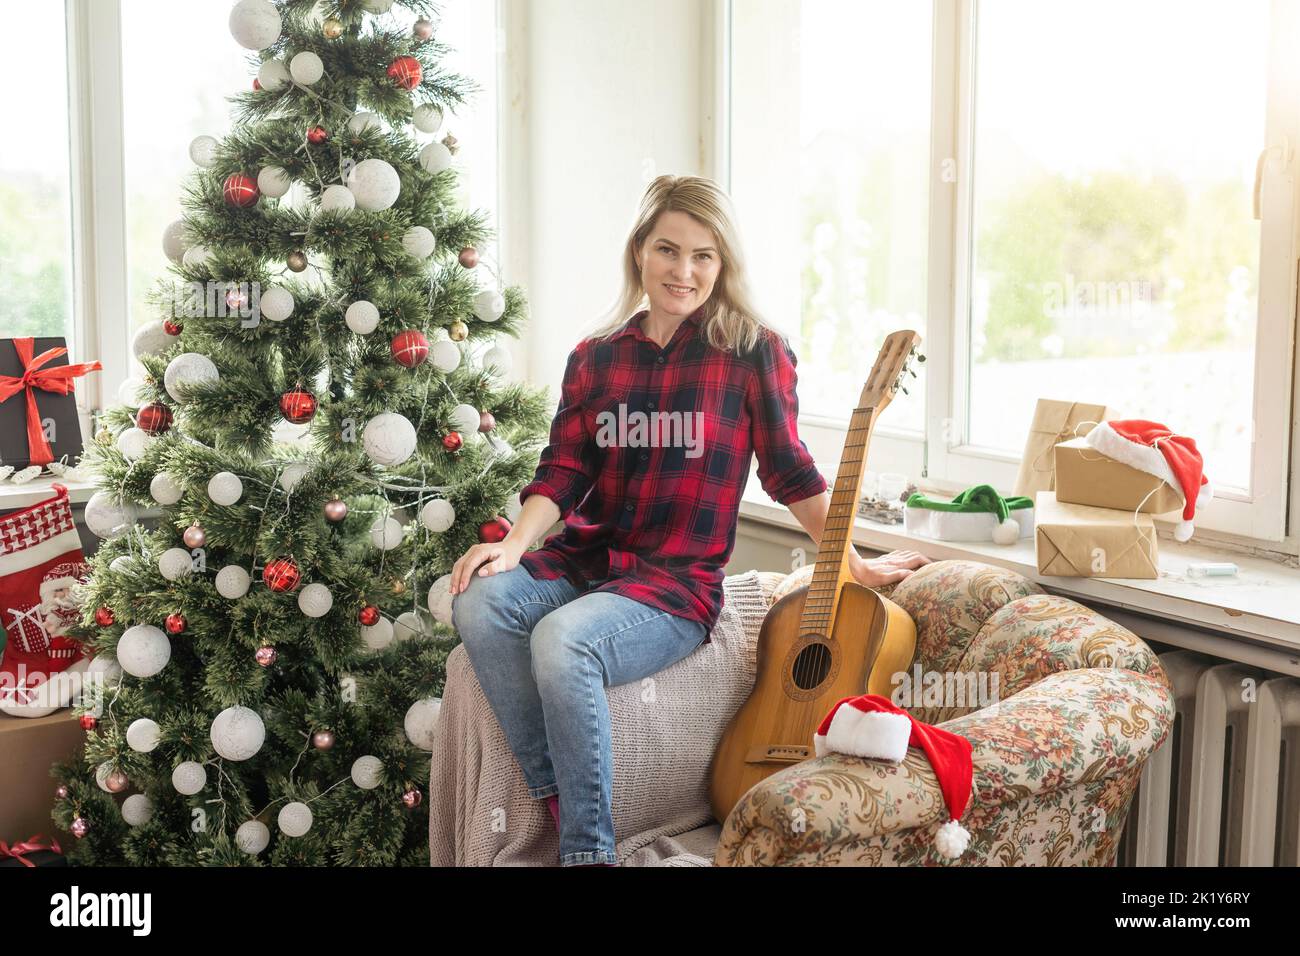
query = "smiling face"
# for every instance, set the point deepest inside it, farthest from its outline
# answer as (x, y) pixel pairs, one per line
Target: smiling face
(679, 264)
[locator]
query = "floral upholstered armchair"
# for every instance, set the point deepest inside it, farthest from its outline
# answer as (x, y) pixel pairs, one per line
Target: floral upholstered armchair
(1081, 703)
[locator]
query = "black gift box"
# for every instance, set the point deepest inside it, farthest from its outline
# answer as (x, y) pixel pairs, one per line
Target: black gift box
(65, 438)
(39, 857)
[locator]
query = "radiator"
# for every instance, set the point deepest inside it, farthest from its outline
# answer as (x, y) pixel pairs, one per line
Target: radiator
(1224, 789)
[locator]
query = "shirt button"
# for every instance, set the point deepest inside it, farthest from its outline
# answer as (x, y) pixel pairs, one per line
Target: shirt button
(660, 360)
(645, 456)
(649, 404)
(629, 506)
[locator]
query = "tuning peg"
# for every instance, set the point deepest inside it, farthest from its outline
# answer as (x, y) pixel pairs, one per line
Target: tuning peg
(911, 371)
(905, 391)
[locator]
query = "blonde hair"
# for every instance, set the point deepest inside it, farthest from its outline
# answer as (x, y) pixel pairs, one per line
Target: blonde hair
(730, 319)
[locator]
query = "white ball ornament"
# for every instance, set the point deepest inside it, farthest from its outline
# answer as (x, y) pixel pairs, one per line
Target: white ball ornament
(107, 517)
(143, 650)
(489, 305)
(233, 582)
(427, 118)
(291, 474)
(440, 600)
(238, 733)
(363, 122)
(175, 563)
(438, 515)
(122, 564)
(421, 721)
(306, 68)
(252, 837)
(128, 393)
(337, 198)
(498, 361)
(386, 534)
(276, 303)
(225, 488)
(189, 777)
(389, 439)
(133, 443)
(165, 489)
(151, 339)
(273, 75)
(105, 670)
(513, 507)
(196, 257)
(375, 184)
(378, 635)
(445, 355)
(255, 24)
(466, 420)
(273, 181)
(203, 151)
(137, 810)
(173, 241)
(378, 6)
(367, 772)
(294, 819)
(435, 158)
(143, 735)
(362, 317)
(419, 242)
(187, 370)
(315, 600)
(409, 625)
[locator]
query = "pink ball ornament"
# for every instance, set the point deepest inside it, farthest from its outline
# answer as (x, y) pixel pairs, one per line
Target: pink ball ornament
(195, 536)
(323, 739)
(336, 509)
(116, 781)
(80, 827)
(266, 656)
(412, 798)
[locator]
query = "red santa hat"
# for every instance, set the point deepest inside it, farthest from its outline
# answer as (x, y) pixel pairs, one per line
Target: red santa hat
(873, 726)
(1152, 448)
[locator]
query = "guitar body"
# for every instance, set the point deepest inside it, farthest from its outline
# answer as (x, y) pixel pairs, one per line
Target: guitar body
(800, 677)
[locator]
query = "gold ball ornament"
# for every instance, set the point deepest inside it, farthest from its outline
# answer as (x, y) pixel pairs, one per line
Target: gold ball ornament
(296, 260)
(458, 332)
(451, 143)
(399, 586)
(104, 436)
(332, 28)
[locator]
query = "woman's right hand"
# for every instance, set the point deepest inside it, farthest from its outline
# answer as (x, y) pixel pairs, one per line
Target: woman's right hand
(494, 558)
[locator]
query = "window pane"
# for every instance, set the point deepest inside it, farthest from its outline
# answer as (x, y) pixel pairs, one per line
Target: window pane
(35, 182)
(1116, 258)
(830, 153)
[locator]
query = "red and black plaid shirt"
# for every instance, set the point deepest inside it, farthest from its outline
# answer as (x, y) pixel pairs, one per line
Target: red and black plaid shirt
(651, 514)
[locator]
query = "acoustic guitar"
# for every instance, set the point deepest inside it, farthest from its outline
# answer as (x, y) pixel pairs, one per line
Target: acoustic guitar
(829, 639)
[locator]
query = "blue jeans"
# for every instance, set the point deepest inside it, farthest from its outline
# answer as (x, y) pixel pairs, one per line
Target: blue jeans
(544, 652)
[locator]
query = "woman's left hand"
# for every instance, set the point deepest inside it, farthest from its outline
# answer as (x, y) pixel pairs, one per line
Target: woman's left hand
(886, 569)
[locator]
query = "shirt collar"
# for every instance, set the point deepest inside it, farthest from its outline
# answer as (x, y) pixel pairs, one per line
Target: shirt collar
(633, 325)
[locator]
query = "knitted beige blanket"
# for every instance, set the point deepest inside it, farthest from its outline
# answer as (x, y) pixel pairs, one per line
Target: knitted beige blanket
(664, 733)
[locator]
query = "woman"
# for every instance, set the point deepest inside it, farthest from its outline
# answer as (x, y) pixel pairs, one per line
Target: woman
(634, 581)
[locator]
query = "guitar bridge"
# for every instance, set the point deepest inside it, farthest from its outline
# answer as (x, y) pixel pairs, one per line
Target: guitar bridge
(778, 753)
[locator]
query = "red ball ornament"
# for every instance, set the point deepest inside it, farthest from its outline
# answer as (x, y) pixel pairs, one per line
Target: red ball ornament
(411, 798)
(281, 575)
(175, 623)
(172, 328)
(104, 616)
(266, 655)
(88, 721)
(317, 135)
(452, 441)
(406, 72)
(410, 348)
(490, 532)
(298, 406)
(368, 615)
(486, 422)
(468, 257)
(241, 190)
(154, 418)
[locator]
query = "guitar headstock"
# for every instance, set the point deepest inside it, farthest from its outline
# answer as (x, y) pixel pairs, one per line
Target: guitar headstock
(893, 365)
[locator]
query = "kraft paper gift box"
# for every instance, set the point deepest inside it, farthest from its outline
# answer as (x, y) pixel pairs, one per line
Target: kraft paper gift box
(1054, 422)
(1084, 476)
(1081, 541)
(29, 747)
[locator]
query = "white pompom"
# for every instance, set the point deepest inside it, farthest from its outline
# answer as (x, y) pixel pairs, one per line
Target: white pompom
(315, 600)
(498, 361)
(106, 517)
(514, 507)
(152, 339)
(419, 242)
(128, 393)
(196, 256)
(389, 439)
(273, 75)
(466, 420)
(105, 670)
(435, 158)
(362, 317)
(233, 582)
(378, 635)
(122, 564)
(306, 68)
(252, 837)
(1007, 532)
(951, 840)
(143, 650)
(363, 122)
(255, 24)
(291, 474)
(238, 733)
(273, 181)
(294, 819)
(440, 599)
(427, 118)
(409, 625)
(137, 810)
(165, 489)
(186, 371)
(174, 242)
(133, 443)
(367, 772)
(386, 534)
(445, 355)
(438, 515)
(225, 488)
(189, 777)
(375, 184)
(421, 721)
(203, 151)
(378, 6)
(337, 198)
(143, 735)
(489, 305)
(1206, 493)
(276, 303)
(1183, 530)
(175, 563)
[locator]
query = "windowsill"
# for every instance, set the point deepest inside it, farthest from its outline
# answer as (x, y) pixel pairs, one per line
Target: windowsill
(13, 497)
(1261, 604)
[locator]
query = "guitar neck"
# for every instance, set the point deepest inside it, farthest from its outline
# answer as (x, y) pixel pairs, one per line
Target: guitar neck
(832, 569)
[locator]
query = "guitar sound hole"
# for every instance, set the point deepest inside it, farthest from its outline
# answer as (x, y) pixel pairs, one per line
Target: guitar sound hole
(811, 666)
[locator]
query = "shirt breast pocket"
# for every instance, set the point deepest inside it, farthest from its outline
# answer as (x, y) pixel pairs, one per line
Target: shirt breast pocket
(603, 414)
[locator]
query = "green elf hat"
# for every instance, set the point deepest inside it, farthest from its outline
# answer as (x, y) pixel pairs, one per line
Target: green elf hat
(977, 514)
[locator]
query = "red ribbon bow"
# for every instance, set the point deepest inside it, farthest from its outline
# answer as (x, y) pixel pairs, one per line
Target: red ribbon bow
(31, 845)
(57, 380)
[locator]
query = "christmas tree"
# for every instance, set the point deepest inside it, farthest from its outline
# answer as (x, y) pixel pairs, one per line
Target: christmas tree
(320, 444)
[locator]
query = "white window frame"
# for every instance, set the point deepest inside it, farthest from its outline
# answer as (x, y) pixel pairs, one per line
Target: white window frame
(943, 460)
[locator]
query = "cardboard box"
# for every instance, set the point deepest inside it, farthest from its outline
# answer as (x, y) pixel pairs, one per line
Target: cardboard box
(1054, 422)
(1081, 541)
(28, 748)
(1084, 476)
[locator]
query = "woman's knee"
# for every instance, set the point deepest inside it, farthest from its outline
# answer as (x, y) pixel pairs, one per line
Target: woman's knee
(473, 609)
